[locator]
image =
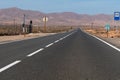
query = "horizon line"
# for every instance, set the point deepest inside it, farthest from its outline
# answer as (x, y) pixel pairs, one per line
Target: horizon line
(56, 11)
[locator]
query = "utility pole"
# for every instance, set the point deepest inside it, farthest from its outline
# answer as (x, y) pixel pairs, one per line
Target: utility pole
(92, 25)
(24, 18)
(45, 24)
(14, 22)
(14, 25)
(39, 26)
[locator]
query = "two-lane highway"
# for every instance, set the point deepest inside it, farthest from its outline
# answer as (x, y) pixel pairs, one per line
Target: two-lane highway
(67, 56)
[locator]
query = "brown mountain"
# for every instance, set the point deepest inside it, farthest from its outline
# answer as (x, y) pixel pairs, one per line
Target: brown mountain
(8, 15)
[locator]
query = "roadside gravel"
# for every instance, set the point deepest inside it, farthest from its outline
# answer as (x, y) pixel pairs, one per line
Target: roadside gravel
(22, 37)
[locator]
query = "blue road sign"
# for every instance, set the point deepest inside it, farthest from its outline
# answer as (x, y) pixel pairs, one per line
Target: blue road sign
(116, 16)
(107, 27)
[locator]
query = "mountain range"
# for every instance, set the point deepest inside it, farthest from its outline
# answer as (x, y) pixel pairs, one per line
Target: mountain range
(11, 15)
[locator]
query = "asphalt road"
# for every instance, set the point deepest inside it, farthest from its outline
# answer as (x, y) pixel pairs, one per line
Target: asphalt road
(67, 56)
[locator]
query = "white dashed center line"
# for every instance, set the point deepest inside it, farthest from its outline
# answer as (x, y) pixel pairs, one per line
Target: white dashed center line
(61, 38)
(56, 41)
(49, 45)
(35, 52)
(31, 54)
(10, 65)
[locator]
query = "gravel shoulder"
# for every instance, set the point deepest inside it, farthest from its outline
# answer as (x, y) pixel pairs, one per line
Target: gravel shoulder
(22, 37)
(113, 41)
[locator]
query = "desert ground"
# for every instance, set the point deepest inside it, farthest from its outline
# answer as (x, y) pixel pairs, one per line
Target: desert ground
(10, 33)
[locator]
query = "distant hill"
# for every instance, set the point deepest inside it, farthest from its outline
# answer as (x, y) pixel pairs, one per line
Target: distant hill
(66, 18)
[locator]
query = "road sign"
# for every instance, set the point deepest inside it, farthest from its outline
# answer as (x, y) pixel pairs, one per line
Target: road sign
(116, 16)
(45, 19)
(107, 27)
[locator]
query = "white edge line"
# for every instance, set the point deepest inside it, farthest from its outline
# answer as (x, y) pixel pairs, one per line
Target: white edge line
(107, 43)
(114, 47)
(10, 65)
(35, 52)
(49, 45)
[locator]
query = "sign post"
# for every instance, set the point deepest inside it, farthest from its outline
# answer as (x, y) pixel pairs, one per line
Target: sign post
(107, 27)
(24, 25)
(116, 18)
(45, 19)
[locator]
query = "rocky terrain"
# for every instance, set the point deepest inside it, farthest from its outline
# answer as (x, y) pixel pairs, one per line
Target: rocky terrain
(7, 16)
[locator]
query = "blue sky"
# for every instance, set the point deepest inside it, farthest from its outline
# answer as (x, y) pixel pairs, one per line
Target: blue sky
(78, 6)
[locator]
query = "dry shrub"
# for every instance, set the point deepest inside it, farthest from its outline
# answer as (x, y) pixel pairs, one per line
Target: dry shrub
(56, 29)
(17, 29)
(100, 31)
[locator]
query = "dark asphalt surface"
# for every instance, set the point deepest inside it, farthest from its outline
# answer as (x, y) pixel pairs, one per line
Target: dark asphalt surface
(18, 50)
(77, 57)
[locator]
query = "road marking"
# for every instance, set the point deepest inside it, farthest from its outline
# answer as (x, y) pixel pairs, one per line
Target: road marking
(114, 47)
(57, 41)
(107, 43)
(18, 61)
(10, 65)
(64, 37)
(49, 45)
(35, 52)
(61, 39)
(31, 54)
(68, 35)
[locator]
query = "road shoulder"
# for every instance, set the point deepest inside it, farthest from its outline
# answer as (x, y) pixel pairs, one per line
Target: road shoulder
(112, 42)
(8, 39)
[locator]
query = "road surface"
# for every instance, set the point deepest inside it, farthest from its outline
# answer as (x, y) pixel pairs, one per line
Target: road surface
(72, 55)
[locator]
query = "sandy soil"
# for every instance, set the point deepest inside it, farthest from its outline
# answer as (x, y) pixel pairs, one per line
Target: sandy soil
(22, 37)
(103, 34)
